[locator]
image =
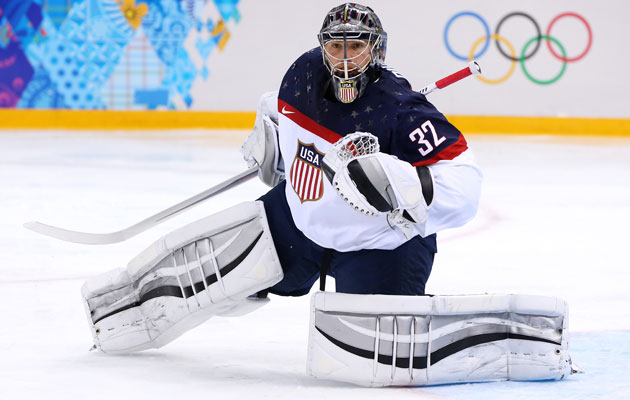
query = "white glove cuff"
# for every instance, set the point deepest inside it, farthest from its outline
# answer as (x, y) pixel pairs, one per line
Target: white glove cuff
(412, 187)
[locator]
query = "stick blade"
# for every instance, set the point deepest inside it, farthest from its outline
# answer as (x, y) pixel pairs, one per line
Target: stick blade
(474, 67)
(74, 236)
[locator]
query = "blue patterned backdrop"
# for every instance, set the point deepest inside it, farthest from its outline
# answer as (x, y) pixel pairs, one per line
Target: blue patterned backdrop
(108, 54)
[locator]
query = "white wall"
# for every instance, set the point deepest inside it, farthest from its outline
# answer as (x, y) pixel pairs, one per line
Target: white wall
(271, 34)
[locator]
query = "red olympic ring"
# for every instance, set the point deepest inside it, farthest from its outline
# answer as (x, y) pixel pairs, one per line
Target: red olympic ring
(588, 45)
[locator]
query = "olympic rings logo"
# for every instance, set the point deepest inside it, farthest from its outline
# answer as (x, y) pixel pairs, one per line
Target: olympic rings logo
(532, 45)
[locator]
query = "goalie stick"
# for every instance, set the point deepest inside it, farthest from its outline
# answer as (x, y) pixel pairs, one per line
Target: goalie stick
(127, 233)
(124, 234)
(472, 69)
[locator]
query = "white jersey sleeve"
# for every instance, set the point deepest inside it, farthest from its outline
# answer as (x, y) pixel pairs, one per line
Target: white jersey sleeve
(457, 188)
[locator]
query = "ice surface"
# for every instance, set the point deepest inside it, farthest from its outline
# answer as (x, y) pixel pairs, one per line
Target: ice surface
(554, 220)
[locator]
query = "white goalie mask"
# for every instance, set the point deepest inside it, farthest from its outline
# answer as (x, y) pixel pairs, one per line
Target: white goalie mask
(352, 39)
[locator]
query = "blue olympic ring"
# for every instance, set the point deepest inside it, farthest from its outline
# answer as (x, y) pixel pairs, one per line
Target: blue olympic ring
(485, 26)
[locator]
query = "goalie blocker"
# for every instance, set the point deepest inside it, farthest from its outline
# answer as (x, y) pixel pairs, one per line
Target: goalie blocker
(376, 340)
(214, 266)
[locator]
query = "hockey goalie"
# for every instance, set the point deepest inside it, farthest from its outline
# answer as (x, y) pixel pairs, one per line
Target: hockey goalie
(363, 172)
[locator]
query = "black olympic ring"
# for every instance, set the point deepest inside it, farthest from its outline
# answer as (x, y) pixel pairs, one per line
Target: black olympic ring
(538, 34)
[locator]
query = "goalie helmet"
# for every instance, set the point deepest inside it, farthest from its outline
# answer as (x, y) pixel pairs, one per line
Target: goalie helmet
(352, 39)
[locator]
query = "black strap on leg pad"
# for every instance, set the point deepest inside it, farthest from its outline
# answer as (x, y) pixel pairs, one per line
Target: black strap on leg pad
(323, 269)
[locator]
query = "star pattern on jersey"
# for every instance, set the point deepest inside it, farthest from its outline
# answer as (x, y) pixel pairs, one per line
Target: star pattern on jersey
(301, 83)
(388, 109)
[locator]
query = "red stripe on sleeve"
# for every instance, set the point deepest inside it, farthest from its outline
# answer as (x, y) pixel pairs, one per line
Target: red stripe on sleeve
(448, 153)
(307, 123)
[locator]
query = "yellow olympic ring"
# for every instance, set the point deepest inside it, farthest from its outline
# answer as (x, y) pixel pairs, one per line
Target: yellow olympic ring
(498, 38)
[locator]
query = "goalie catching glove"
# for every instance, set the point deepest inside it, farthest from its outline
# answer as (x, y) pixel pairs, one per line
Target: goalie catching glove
(375, 183)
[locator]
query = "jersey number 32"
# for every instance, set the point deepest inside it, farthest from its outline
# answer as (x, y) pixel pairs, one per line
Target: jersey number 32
(418, 135)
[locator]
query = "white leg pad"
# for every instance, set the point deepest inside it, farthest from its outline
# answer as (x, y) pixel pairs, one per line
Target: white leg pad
(207, 268)
(377, 340)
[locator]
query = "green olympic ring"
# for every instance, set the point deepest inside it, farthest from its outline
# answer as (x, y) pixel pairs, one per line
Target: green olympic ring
(522, 60)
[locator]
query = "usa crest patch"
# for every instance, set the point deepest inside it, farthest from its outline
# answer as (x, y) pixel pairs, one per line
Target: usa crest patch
(347, 91)
(306, 173)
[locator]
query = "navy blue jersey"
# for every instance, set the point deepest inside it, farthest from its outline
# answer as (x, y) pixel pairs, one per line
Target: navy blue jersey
(406, 124)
